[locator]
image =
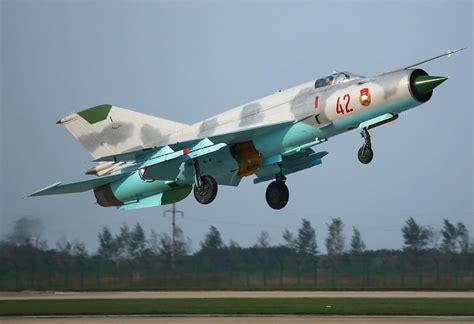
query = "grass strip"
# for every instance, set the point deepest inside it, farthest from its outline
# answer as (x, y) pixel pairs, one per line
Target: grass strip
(163, 306)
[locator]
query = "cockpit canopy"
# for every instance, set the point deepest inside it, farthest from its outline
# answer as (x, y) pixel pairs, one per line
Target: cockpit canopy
(336, 78)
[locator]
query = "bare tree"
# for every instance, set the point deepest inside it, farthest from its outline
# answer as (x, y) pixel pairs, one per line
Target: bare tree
(455, 237)
(63, 245)
(305, 242)
(335, 242)
(78, 248)
(123, 240)
(74, 248)
(463, 238)
(357, 244)
(263, 240)
(181, 247)
(154, 242)
(233, 244)
(136, 245)
(108, 245)
(435, 237)
(450, 236)
(288, 239)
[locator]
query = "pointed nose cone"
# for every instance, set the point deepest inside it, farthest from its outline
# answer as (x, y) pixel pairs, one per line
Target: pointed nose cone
(426, 83)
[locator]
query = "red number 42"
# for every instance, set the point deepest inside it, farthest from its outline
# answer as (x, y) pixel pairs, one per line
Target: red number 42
(340, 109)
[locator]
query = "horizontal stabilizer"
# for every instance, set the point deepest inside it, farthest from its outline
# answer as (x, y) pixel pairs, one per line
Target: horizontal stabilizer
(81, 186)
(154, 152)
(132, 156)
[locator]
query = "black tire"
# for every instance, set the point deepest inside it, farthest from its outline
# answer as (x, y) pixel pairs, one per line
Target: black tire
(207, 192)
(365, 155)
(277, 195)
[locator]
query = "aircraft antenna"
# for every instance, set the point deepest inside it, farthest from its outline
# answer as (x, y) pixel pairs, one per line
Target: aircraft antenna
(448, 54)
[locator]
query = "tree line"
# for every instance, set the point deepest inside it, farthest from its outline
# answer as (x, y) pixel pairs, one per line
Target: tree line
(133, 243)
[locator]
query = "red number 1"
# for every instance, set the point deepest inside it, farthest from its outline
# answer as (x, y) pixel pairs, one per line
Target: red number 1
(316, 102)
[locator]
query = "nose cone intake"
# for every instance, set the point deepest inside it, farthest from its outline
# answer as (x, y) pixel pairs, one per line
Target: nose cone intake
(425, 83)
(422, 84)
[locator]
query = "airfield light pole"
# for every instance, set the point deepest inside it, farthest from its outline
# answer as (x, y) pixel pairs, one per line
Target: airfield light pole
(173, 212)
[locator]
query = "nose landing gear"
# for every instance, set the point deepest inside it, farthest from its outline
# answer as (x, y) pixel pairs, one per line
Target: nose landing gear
(277, 193)
(365, 154)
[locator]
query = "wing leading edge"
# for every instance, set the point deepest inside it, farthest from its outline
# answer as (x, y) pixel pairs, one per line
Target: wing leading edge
(81, 186)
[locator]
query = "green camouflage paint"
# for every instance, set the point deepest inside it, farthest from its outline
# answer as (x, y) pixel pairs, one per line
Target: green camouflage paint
(95, 114)
(175, 195)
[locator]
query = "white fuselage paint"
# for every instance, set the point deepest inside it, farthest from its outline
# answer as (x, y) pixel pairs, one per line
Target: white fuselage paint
(296, 106)
(389, 93)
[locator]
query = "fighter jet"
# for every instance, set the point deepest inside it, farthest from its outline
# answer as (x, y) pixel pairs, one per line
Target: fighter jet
(145, 161)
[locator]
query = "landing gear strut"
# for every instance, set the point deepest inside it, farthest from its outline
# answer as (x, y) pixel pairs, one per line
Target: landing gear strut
(207, 192)
(365, 154)
(277, 194)
(205, 188)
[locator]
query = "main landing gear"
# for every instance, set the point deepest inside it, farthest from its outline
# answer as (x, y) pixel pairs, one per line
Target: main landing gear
(207, 191)
(365, 154)
(205, 188)
(277, 194)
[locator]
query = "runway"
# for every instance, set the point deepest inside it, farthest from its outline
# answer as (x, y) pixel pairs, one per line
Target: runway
(239, 319)
(24, 295)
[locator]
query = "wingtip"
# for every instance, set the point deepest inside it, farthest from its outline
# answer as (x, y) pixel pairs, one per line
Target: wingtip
(41, 192)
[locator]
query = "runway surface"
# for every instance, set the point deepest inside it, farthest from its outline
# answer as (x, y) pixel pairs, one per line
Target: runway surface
(232, 294)
(242, 319)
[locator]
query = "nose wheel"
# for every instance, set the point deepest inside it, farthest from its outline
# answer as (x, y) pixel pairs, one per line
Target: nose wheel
(365, 153)
(277, 194)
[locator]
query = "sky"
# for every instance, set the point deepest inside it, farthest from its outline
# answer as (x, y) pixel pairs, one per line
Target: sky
(187, 61)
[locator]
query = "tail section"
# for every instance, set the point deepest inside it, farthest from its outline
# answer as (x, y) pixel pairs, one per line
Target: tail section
(107, 130)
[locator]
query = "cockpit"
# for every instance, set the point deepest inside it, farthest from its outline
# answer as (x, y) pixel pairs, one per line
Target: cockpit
(336, 78)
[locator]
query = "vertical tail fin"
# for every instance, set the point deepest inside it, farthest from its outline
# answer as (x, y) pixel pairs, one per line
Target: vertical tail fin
(106, 129)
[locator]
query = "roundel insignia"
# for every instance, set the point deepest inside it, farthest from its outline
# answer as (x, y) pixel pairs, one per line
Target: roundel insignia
(365, 97)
